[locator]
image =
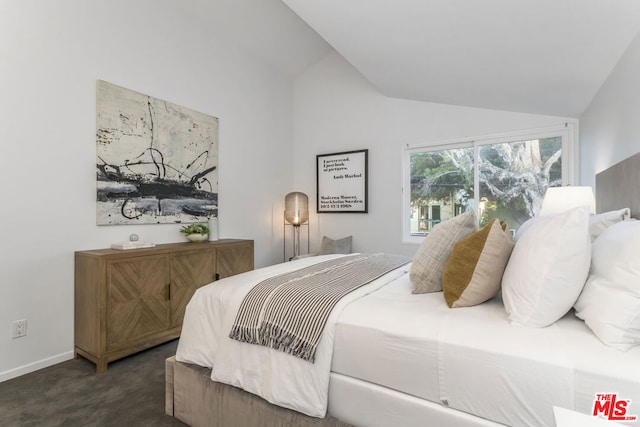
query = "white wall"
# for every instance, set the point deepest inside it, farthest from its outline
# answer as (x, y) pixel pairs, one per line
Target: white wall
(336, 109)
(52, 53)
(610, 127)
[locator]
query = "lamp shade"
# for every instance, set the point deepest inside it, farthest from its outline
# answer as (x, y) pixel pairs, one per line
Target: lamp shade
(296, 208)
(561, 199)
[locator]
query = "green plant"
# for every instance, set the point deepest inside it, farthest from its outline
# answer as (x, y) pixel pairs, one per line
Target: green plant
(194, 229)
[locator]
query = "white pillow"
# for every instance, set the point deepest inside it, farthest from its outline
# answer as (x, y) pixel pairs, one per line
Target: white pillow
(547, 269)
(598, 223)
(610, 301)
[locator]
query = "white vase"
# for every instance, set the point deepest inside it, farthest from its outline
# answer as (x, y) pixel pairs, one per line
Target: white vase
(213, 229)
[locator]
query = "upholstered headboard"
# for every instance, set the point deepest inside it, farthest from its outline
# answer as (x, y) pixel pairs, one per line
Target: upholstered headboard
(619, 187)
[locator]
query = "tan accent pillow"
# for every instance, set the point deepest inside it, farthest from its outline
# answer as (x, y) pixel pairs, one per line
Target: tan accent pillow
(474, 270)
(431, 257)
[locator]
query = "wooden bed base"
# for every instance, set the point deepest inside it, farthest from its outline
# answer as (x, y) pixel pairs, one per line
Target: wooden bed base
(191, 397)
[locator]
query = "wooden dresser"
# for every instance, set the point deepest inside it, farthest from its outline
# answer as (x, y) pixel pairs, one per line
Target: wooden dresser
(127, 301)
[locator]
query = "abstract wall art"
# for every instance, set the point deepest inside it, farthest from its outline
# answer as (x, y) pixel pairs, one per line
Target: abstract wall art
(157, 162)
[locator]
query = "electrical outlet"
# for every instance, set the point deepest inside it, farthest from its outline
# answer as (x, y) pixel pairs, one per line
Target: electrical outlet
(19, 328)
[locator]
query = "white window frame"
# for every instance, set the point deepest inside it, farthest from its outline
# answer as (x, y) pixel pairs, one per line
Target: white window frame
(567, 132)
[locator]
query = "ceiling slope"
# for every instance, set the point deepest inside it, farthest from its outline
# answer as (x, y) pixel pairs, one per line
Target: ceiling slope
(544, 56)
(265, 29)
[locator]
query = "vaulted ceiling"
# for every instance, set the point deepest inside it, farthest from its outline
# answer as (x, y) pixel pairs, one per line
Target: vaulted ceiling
(265, 29)
(536, 56)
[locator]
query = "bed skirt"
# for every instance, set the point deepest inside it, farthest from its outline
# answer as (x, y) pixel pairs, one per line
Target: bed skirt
(193, 398)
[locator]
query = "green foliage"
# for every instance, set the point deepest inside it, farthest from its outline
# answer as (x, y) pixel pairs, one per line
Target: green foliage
(445, 175)
(516, 175)
(194, 229)
(513, 177)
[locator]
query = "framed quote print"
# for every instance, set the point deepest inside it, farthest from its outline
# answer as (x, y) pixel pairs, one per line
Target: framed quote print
(342, 182)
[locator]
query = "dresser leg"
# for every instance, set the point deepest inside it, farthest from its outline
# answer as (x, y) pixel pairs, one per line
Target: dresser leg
(101, 366)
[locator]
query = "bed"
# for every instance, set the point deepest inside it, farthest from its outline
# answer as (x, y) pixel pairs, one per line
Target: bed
(393, 357)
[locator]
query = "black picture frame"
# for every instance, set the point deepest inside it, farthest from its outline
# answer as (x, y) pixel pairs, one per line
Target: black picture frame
(342, 182)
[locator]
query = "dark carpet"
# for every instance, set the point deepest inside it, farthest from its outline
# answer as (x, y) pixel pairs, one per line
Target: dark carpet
(130, 393)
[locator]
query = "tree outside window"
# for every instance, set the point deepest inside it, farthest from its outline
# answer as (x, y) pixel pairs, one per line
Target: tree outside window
(515, 176)
(441, 186)
(509, 178)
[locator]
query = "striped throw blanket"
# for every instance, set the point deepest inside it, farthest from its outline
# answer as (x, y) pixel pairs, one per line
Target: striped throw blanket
(288, 312)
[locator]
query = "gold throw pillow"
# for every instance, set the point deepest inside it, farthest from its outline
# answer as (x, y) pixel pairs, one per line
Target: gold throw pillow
(473, 272)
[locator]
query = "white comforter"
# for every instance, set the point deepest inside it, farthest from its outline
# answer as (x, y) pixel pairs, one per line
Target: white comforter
(279, 378)
(468, 359)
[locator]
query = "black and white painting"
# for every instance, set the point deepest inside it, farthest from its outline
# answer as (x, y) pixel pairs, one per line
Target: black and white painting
(157, 162)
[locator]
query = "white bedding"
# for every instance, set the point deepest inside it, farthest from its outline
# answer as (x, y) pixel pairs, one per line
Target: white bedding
(391, 339)
(472, 360)
(362, 403)
(468, 359)
(277, 377)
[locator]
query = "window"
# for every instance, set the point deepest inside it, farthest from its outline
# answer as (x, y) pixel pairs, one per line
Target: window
(441, 185)
(502, 176)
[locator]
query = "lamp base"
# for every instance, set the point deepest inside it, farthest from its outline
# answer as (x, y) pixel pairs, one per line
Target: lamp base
(295, 241)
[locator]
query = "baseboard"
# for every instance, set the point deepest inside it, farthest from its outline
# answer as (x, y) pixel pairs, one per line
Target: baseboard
(32, 367)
